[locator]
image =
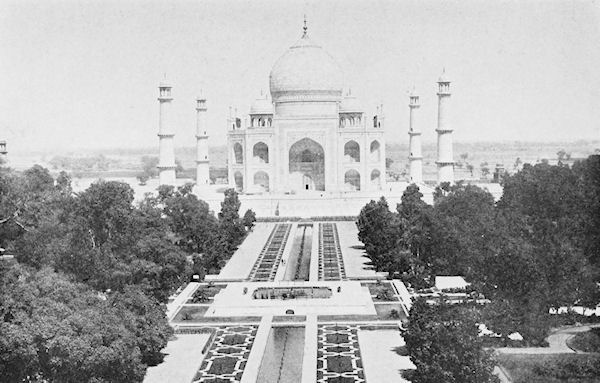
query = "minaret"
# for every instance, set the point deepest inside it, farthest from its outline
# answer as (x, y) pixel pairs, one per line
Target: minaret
(445, 159)
(166, 157)
(202, 178)
(415, 157)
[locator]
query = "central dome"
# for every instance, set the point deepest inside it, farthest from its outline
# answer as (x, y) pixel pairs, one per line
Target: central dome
(306, 71)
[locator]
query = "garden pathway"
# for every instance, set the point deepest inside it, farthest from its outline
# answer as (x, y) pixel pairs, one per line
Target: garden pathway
(557, 342)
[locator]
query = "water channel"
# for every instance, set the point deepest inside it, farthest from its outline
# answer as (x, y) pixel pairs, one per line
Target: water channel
(282, 360)
(298, 263)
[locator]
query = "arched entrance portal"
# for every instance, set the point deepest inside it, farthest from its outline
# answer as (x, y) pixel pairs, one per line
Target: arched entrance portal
(261, 180)
(307, 165)
(352, 180)
(376, 179)
(239, 182)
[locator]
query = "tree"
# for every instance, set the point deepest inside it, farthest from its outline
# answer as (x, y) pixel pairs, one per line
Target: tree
(517, 164)
(149, 164)
(55, 330)
(445, 347)
(249, 219)
(485, 169)
(146, 319)
(470, 168)
(178, 168)
(416, 219)
(230, 226)
(588, 176)
(190, 219)
(105, 208)
(461, 223)
(563, 156)
(379, 231)
(388, 162)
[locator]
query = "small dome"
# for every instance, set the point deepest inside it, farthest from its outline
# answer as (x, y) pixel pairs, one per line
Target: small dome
(261, 106)
(306, 70)
(350, 104)
(444, 77)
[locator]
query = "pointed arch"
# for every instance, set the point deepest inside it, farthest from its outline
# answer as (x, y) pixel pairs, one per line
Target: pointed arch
(376, 178)
(261, 179)
(239, 181)
(260, 152)
(307, 165)
(352, 180)
(352, 151)
(238, 153)
(375, 151)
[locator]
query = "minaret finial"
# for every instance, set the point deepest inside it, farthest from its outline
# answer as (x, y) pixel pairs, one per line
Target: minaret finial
(305, 28)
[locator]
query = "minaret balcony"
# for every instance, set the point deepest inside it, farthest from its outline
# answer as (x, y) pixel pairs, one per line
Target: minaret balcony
(166, 167)
(444, 130)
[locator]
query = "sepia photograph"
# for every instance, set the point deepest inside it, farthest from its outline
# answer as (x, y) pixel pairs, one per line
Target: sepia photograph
(303, 191)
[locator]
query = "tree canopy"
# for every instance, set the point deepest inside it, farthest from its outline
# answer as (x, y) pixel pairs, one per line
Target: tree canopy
(84, 300)
(443, 344)
(535, 249)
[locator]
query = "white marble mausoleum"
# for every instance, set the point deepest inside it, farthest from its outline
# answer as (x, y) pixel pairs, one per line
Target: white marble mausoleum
(307, 136)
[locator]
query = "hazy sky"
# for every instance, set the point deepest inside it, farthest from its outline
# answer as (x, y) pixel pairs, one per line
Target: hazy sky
(85, 73)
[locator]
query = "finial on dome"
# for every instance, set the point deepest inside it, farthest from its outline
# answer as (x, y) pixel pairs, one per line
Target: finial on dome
(444, 77)
(305, 28)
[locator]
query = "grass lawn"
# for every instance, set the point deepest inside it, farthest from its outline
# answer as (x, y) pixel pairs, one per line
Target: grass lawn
(381, 292)
(588, 341)
(289, 318)
(551, 368)
(241, 319)
(205, 294)
(345, 318)
(190, 313)
(384, 311)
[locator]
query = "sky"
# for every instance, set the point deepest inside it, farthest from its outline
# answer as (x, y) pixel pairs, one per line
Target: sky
(85, 74)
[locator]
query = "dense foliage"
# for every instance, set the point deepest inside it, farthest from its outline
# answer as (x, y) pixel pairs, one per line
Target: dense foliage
(552, 368)
(535, 249)
(444, 346)
(84, 299)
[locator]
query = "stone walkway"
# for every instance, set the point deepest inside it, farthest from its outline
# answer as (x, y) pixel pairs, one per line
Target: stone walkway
(173, 307)
(241, 262)
(353, 254)
(380, 359)
(557, 342)
(184, 356)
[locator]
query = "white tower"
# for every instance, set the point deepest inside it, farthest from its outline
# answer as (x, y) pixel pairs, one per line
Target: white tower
(415, 157)
(166, 157)
(202, 178)
(445, 158)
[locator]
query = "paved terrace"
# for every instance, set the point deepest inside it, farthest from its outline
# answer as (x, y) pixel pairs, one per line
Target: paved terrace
(380, 358)
(184, 357)
(355, 260)
(235, 350)
(352, 299)
(243, 259)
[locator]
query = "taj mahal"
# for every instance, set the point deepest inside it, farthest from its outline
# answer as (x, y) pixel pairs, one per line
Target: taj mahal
(309, 140)
(309, 137)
